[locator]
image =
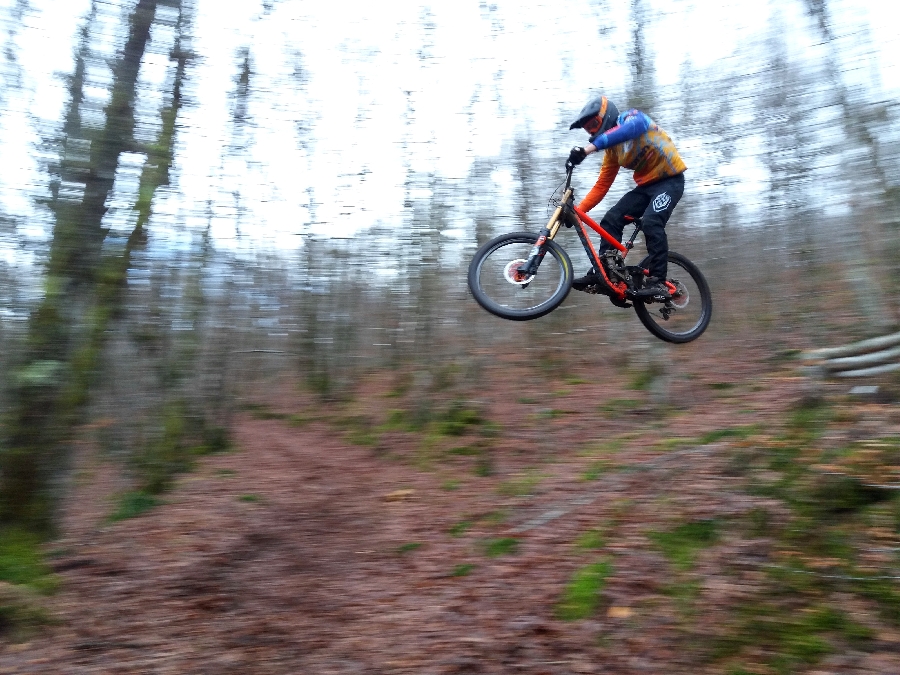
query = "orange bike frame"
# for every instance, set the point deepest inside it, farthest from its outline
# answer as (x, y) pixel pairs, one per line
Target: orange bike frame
(607, 237)
(617, 288)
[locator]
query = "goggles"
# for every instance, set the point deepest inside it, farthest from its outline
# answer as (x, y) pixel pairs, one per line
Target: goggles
(592, 126)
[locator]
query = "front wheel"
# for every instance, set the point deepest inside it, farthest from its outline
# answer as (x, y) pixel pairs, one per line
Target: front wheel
(501, 289)
(687, 314)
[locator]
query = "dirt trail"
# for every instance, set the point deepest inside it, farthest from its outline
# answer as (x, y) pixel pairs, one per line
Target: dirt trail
(303, 553)
(312, 577)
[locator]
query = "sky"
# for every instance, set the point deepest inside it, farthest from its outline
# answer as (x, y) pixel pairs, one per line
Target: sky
(347, 105)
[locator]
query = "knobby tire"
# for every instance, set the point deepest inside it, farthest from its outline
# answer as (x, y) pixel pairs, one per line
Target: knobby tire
(498, 296)
(681, 327)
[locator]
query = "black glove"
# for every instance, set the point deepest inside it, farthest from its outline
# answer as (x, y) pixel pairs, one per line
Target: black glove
(576, 156)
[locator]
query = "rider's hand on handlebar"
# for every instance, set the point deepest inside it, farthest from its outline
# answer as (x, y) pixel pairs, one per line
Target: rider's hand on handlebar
(577, 155)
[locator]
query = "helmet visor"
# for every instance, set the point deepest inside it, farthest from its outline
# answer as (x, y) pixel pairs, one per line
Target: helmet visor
(596, 107)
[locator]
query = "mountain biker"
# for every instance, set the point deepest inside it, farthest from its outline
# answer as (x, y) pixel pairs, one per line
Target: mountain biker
(632, 140)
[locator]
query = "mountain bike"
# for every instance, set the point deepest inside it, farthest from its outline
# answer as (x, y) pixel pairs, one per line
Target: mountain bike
(512, 277)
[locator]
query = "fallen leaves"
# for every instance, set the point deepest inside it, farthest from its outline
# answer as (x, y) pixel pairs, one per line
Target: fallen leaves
(619, 612)
(399, 495)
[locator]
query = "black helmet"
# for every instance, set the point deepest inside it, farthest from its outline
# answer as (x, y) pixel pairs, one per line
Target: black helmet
(600, 107)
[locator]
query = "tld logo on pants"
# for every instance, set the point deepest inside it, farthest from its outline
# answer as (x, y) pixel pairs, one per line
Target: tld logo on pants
(661, 203)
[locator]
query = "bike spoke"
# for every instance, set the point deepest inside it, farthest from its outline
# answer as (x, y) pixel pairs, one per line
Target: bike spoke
(502, 289)
(686, 315)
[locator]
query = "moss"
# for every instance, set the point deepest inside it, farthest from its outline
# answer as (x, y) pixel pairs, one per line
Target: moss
(132, 504)
(808, 419)
(793, 638)
(22, 612)
(642, 380)
(595, 470)
(616, 406)
(683, 594)
(459, 529)
(397, 420)
(721, 386)
(473, 450)
(760, 522)
(484, 467)
(22, 561)
(833, 494)
(409, 547)
(261, 412)
(582, 594)
(457, 419)
(730, 432)
(462, 570)
(882, 591)
(182, 438)
(497, 547)
(521, 486)
(363, 436)
(681, 545)
(590, 540)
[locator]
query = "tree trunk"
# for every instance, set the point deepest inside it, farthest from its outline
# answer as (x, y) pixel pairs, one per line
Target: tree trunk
(64, 329)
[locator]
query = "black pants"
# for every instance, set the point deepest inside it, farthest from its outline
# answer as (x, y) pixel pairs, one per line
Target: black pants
(653, 203)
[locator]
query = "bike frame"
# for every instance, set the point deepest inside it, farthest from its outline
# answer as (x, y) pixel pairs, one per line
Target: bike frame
(578, 221)
(572, 216)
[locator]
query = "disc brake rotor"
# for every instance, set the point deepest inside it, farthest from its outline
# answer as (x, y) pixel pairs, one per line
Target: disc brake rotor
(512, 274)
(682, 296)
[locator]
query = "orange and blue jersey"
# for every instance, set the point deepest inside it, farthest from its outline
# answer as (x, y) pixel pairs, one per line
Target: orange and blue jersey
(636, 143)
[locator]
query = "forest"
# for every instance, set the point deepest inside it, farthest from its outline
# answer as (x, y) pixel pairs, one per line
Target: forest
(253, 421)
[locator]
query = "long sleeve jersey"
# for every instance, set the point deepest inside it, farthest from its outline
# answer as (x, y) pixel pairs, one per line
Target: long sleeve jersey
(636, 143)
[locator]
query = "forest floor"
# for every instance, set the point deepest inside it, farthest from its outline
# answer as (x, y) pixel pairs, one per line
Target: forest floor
(453, 524)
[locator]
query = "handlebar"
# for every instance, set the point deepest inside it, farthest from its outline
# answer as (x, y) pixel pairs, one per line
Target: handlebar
(569, 169)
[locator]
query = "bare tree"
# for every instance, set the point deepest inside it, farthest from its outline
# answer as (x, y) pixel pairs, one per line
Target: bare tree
(63, 331)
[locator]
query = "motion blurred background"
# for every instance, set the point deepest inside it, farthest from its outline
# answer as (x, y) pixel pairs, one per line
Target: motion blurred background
(198, 197)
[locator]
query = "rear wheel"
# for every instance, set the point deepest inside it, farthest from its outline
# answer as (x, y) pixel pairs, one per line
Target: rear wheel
(501, 289)
(687, 314)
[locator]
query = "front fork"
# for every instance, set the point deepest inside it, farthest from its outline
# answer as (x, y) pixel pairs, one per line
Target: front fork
(539, 250)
